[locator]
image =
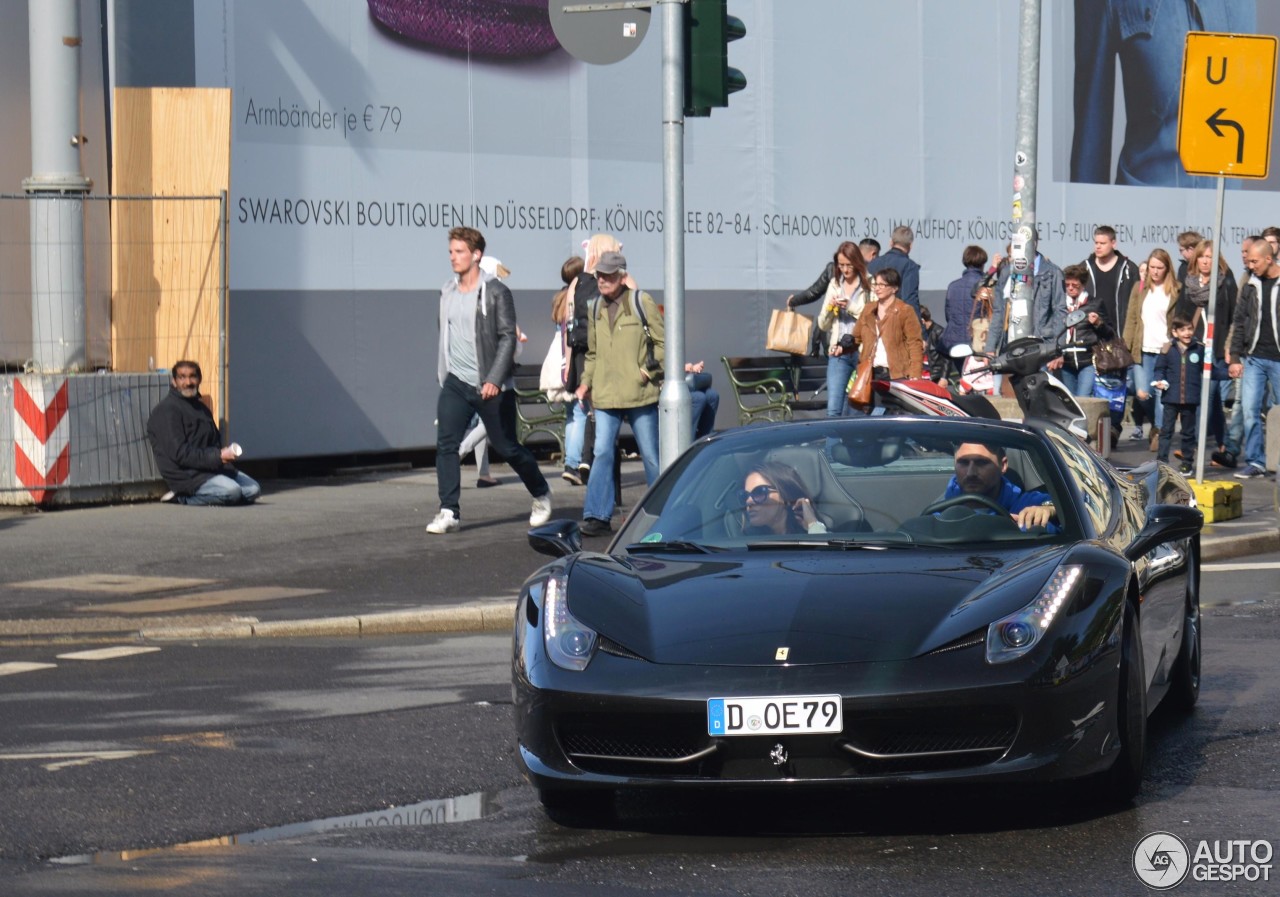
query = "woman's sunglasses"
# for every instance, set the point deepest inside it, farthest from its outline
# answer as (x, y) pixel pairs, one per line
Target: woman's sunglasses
(759, 495)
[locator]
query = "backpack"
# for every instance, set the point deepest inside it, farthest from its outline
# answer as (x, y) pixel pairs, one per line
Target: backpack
(585, 292)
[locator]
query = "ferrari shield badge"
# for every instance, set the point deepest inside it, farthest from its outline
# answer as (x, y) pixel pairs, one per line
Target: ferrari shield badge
(781, 653)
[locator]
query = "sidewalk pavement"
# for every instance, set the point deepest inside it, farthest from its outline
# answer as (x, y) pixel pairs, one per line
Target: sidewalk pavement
(340, 556)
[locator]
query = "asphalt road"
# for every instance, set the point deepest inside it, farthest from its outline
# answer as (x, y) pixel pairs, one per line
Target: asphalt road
(103, 760)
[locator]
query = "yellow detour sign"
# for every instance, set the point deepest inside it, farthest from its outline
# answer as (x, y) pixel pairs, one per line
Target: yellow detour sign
(1228, 91)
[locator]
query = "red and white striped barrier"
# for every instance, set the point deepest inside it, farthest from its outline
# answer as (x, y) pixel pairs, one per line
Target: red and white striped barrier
(41, 435)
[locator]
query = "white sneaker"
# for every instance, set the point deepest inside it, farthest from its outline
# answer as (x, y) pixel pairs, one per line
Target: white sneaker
(446, 522)
(541, 512)
(168, 496)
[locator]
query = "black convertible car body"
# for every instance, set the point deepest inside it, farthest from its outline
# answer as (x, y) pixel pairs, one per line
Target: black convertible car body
(895, 643)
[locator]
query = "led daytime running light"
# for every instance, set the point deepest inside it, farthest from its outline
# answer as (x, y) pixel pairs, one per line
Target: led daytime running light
(569, 644)
(1018, 633)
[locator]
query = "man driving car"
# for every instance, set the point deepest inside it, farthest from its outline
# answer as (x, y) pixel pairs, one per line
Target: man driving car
(980, 471)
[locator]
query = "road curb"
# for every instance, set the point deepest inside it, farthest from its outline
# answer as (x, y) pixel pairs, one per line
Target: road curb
(488, 617)
(1225, 548)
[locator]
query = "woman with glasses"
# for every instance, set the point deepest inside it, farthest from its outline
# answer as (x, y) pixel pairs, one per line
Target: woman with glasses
(1146, 327)
(889, 329)
(774, 502)
(847, 294)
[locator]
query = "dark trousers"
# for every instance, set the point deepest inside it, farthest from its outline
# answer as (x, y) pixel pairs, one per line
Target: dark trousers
(454, 408)
(1189, 435)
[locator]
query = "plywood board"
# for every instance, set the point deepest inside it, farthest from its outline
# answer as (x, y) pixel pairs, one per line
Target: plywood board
(167, 260)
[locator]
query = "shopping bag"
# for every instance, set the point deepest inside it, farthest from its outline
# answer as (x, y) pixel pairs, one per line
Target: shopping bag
(1113, 389)
(551, 377)
(789, 331)
(860, 386)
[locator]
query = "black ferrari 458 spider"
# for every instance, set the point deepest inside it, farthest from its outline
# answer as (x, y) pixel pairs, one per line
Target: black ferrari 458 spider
(874, 601)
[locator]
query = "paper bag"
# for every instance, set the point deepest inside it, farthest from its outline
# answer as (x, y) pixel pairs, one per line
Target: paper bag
(789, 331)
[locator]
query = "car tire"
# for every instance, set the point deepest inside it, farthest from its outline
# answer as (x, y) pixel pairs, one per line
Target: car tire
(1184, 688)
(1124, 780)
(577, 806)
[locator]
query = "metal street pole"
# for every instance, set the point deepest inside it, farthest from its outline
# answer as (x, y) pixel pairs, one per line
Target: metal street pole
(1022, 253)
(57, 188)
(675, 428)
(1206, 382)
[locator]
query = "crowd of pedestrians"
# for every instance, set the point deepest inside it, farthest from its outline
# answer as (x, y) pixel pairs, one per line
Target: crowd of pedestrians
(1140, 345)
(1159, 314)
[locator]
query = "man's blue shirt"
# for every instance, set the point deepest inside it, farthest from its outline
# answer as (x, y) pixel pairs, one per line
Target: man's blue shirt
(1012, 498)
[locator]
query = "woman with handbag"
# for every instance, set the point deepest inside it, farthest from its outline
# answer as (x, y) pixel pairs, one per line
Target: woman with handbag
(1075, 368)
(889, 333)
(847, 295)
(1146, 328)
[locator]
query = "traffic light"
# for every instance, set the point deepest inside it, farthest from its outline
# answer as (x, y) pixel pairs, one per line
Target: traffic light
(708, 79)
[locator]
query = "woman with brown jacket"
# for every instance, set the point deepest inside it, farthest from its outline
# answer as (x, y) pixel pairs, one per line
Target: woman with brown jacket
(889, 330)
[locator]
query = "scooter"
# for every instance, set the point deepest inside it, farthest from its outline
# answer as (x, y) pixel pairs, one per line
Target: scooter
(1039, 394)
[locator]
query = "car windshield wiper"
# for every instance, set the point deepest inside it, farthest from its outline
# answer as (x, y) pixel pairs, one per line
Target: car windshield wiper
(675, 545)
(839, 544)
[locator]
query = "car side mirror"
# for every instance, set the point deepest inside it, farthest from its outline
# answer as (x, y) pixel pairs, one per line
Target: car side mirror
(558, 538)
(1165, 523)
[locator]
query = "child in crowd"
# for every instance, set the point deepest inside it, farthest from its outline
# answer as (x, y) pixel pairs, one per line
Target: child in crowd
(1178, 372)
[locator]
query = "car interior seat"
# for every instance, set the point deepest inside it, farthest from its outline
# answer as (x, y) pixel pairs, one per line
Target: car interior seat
(834, 506)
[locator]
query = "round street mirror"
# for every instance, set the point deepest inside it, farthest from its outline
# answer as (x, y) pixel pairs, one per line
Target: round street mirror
(603, 33)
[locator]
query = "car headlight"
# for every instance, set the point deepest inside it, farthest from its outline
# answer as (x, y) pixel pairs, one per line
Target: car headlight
(569, 643)
(1018, 633)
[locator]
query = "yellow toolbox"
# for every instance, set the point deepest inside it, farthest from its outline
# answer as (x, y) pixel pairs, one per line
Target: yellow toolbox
(1218, 500)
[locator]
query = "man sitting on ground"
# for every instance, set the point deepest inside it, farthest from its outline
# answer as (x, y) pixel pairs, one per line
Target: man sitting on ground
(188, 448)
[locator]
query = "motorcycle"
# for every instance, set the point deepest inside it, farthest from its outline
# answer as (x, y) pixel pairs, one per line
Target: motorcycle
(1038, 393)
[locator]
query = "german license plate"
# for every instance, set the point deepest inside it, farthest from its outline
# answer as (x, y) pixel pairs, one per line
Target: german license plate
(788, 715)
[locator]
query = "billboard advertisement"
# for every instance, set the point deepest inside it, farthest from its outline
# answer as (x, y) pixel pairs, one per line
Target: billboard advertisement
(362, 131)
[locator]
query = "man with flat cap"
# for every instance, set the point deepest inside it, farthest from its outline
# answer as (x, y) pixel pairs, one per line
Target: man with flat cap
(622, 375)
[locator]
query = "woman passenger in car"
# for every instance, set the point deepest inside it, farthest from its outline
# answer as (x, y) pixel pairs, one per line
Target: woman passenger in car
(774, 502)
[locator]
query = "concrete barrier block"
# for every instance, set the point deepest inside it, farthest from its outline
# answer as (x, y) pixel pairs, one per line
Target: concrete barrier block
(1218, 500)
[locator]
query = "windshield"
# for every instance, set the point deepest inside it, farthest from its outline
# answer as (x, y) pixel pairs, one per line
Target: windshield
(878, 481)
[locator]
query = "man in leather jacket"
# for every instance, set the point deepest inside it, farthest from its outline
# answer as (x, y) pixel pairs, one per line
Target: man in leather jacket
(477, 355)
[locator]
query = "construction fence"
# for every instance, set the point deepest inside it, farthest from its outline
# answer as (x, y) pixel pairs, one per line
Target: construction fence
(154, 287)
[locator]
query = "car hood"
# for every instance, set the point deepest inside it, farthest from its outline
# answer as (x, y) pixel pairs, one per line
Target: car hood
(823, 606)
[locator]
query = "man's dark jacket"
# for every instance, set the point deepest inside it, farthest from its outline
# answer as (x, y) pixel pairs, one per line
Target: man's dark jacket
(1115, 310)
(186, 443)
(908, 270)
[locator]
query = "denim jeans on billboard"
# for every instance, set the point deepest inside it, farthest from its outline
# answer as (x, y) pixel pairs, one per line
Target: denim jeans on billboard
(644, 424)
